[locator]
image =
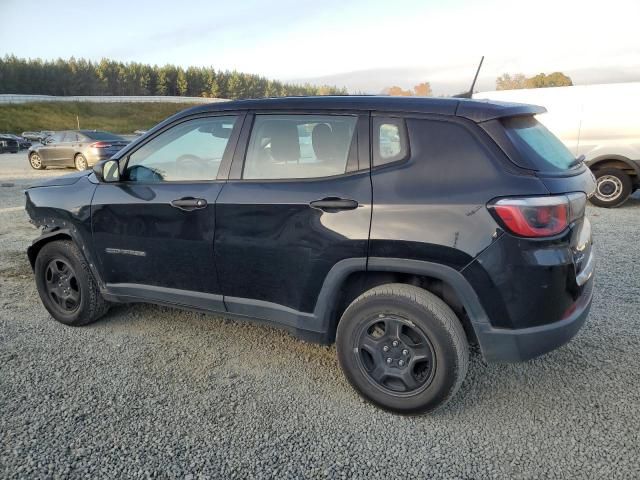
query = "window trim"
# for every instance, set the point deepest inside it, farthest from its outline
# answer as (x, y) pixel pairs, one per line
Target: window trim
(225, 163)
(359, 155)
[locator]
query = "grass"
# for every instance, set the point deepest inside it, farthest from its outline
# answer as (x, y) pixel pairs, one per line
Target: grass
(113, 117)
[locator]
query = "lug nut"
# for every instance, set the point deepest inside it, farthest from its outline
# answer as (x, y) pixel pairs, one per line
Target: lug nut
(401, 362)
(389, 360)
(405, 352)
(385, 348)
(395, 343)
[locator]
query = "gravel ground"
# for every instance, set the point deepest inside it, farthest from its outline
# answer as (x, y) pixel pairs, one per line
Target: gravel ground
(156, 392)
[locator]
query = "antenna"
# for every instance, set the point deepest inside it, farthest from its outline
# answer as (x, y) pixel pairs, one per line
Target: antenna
(469, 94)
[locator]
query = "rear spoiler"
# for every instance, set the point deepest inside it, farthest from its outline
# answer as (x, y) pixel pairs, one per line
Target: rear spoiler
(485, 110)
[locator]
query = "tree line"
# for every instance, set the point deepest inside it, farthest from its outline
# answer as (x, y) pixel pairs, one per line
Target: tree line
(110, 77)
(420, 90)
(542, 80)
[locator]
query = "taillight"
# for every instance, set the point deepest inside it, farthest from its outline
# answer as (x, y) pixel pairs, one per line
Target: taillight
(539, 216)
(100, 145)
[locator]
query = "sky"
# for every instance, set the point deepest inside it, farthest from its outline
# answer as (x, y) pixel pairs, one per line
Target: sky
(362, 45)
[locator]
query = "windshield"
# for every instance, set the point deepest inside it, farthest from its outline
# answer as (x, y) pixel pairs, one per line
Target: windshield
(538, 144)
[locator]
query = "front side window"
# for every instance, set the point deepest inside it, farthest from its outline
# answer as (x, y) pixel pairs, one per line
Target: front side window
(299, 146)
(190, 151)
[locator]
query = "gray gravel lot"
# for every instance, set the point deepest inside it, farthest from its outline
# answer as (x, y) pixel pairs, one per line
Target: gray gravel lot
(156, 392)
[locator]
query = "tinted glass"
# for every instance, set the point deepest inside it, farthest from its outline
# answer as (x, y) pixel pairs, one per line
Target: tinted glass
(102, 136)
(537, 143)
(56, 137)
(190, 151)
(299, 146)
(70, 137)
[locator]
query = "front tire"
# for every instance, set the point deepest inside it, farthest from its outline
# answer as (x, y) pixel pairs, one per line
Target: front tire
(80, 162)
(402, 348)
(35, 160)
(613, 188)
(66, 285)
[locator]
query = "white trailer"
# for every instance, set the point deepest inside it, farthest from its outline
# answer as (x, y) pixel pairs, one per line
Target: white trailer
(601, 122)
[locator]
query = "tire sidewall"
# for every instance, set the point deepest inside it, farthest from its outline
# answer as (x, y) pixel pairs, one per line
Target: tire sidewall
(63, 251)
(446, 361)
(626, 188)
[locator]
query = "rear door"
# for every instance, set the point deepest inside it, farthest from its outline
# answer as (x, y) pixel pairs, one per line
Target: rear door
(153, 231)
(298, 201)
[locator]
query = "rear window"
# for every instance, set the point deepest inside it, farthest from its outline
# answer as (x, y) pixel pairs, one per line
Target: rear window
(102, 136)
(534, 141)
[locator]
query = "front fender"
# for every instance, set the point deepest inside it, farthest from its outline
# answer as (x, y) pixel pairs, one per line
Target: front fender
(55, 234)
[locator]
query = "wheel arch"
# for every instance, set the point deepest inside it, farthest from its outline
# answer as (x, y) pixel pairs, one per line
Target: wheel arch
(445, 282)
(615, 161)
(62, 234)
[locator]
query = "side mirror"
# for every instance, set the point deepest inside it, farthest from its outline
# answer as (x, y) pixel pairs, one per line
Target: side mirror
(107, 171)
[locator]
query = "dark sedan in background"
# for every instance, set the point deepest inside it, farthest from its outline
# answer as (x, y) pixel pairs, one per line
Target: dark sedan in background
(8, 144)
(75, 148)
(23, 143)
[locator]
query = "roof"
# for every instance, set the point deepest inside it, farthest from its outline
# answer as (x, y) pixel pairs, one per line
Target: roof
(476, 110)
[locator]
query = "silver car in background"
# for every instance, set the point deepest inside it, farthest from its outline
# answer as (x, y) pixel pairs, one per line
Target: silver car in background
(80, 149)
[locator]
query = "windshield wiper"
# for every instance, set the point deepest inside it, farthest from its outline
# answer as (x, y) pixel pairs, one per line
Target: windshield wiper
(577, 161)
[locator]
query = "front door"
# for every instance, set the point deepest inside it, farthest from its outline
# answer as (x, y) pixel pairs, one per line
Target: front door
(154, 230)
(299, 204)
(49, 151)
(66, 150)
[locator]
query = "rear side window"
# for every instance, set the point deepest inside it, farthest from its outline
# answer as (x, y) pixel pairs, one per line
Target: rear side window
(300, 146)
(534, 141)
(390, 140)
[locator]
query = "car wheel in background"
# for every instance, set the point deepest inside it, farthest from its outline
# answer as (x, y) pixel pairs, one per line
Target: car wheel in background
(36, 161)
(613, 188)
(80, 162)
(66, 285)
(402, 348)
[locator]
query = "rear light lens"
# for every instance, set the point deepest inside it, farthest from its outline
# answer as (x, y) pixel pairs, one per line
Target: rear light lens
(100, 145)
(536, 217)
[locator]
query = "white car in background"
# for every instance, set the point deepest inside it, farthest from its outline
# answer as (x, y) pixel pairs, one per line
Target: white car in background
(601, 122)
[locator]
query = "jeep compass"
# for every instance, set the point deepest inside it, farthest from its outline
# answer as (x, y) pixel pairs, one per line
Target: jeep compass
(402, 229)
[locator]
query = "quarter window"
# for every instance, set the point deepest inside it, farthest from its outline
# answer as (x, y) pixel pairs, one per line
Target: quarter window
(390, 139)
(299, 146)
(190, 151)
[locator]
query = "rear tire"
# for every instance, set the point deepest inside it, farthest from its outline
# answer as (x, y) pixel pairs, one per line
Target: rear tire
(66, 285)
(80, 162)
(35, 160)
(402, 348)
(613, 188)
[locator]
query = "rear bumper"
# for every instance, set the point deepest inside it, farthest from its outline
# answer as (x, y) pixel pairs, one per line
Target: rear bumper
(505, 345)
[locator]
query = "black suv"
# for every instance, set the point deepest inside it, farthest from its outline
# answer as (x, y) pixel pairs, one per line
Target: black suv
(402, 228)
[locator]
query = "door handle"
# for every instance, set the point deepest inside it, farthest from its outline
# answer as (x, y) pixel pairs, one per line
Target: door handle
(333, 204)
(189, 203)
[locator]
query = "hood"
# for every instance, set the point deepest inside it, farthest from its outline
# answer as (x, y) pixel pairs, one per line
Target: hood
(62, 180)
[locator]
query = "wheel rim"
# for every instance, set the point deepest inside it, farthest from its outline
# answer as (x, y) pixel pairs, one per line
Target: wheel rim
(35, 160)
(62, 285)
(81, 163)
(395, 355)
(608, 188)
